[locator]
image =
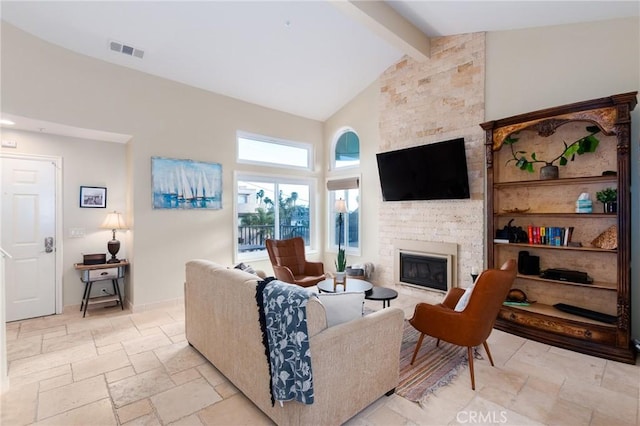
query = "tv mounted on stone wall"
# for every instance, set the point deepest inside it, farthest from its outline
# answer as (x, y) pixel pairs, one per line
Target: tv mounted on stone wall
(436, 171)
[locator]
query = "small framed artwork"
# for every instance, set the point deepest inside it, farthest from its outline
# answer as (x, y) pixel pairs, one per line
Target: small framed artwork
(93, 197)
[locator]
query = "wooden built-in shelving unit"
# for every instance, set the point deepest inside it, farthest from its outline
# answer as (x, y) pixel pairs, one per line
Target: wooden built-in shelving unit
(521, 197)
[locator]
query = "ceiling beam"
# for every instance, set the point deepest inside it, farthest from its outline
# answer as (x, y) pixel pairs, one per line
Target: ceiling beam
(380, 18)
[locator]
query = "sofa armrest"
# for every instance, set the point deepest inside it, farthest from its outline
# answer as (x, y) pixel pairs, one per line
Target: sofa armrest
(357, 361)
(284, 274)
(313, 268)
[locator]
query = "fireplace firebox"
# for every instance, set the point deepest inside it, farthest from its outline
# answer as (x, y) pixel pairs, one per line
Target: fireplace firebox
(425, 265)
(424, 271)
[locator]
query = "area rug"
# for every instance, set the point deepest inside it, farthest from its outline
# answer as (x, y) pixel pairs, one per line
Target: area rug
(435, 366)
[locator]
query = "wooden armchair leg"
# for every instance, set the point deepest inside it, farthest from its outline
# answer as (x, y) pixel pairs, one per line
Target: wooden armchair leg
(470, 356)
(486, 348)
(415, 353)
(437, 343)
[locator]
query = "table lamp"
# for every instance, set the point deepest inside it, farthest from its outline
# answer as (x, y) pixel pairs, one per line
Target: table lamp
(114, 221)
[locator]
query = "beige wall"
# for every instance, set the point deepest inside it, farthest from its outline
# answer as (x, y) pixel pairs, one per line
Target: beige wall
(538, 68)
(168, 119)
(87, 163)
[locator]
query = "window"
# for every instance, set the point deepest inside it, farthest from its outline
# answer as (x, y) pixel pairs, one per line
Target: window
(348, 190)
(347, 149)
(271, 201)
(256, 149)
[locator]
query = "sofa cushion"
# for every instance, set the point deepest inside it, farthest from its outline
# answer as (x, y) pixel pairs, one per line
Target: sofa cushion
(342, 307)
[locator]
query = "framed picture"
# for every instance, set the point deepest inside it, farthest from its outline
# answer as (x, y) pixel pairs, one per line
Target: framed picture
(93, 197)
(186, 184)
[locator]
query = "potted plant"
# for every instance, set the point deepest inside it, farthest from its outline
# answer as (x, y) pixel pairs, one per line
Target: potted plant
(585, 144)
(341, 260)
(609, 199)
(341, 267)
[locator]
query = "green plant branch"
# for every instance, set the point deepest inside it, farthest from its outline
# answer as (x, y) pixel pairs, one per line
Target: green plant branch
(341, 261)
(583, 145)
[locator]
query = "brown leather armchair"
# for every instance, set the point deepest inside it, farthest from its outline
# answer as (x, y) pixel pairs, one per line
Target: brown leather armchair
(472, 326)
(289, 263)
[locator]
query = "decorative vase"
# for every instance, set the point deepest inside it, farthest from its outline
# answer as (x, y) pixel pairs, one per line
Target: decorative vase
(340, 279)
(610, 207)
(549, 172)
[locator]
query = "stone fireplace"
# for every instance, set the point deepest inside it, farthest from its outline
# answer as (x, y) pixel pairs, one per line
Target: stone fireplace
(425, 265)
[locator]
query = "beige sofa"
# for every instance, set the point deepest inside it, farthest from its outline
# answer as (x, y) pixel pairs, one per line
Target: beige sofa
(353, 363)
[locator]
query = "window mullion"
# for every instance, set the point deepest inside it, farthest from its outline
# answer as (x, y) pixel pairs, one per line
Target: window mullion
(276, 209)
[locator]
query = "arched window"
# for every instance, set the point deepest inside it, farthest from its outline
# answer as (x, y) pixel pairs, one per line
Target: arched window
(347, 149)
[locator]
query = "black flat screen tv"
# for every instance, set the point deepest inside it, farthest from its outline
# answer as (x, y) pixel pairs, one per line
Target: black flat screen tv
(436, 171)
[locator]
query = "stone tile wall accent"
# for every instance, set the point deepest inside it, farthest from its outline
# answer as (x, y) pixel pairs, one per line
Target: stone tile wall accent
(421, 103)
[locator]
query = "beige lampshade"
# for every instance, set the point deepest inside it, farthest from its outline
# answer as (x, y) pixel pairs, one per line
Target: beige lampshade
(114, 221)
(341, 206)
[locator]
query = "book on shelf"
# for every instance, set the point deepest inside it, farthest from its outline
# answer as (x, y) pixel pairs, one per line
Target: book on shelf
(501, 240)
(568, 234)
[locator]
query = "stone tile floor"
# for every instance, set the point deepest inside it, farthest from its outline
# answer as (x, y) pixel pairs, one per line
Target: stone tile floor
(117, 367)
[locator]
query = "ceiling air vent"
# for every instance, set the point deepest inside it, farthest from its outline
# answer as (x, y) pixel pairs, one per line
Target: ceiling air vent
(116, 46)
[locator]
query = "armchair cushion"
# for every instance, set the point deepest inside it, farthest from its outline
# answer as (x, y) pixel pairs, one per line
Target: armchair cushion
(342, 307)
(464, 300)
(308, 281)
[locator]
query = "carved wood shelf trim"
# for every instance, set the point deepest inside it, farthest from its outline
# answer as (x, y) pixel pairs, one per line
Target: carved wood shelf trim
(605, 118)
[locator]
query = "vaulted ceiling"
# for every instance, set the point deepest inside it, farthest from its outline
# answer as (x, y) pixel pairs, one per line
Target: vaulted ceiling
(307, 58)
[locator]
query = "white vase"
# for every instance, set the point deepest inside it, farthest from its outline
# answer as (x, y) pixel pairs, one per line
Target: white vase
(339, 279)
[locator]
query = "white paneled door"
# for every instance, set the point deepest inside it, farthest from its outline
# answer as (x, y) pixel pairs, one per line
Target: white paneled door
(28, 235)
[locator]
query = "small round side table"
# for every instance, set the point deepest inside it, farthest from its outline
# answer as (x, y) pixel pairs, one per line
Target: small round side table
(381, 293)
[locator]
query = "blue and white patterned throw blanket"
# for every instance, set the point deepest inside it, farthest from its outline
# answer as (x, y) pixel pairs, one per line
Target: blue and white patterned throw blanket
(283, 319)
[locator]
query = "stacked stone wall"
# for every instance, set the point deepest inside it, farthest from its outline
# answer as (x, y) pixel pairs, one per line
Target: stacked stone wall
(426, 102)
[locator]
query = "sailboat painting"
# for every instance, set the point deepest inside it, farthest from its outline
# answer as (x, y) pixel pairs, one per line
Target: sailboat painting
(186, 184)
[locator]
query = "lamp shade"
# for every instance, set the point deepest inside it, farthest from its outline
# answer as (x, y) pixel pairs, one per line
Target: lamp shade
(341, 206)
(114, 220)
